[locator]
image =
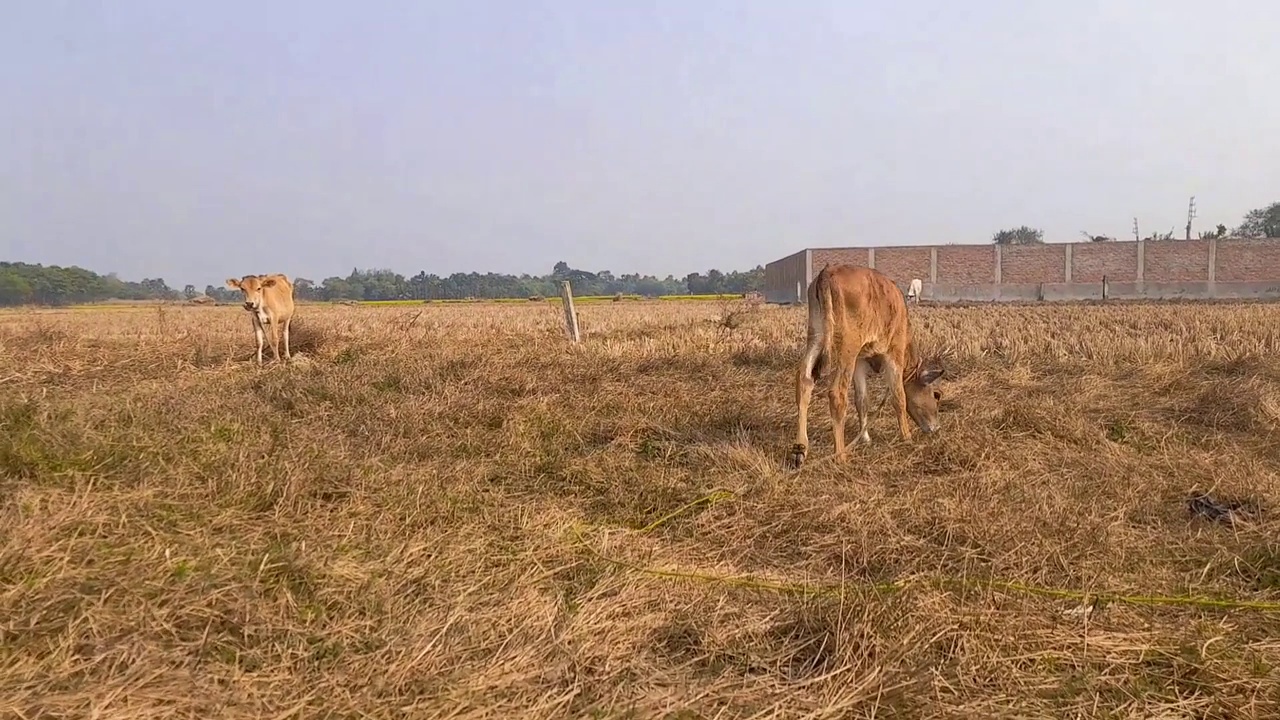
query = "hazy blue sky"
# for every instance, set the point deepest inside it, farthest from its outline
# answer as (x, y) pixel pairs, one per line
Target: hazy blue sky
(195, 141)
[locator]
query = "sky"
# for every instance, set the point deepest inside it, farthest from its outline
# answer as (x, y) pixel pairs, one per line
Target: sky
(200, 141)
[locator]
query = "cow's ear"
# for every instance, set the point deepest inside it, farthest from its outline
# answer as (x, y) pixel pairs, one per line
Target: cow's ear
(931, 372)
(269, 282)
(233, 283)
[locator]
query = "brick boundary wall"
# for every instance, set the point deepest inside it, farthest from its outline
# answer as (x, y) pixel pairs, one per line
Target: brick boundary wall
(1226, 268)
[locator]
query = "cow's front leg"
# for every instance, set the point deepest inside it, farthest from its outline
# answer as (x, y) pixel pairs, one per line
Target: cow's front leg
(804, 393)
(257, 333)
(893, 375)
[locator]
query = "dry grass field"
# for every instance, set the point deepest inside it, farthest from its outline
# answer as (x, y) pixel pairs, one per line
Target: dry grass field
(448, 511)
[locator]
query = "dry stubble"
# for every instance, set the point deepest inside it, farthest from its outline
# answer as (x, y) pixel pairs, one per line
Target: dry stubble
(433, 513)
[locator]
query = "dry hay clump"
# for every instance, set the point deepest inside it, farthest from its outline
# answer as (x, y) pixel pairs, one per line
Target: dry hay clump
(449, 511)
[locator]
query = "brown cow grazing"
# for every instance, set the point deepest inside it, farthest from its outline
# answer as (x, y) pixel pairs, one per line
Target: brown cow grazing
(858, 322)
(269, 299)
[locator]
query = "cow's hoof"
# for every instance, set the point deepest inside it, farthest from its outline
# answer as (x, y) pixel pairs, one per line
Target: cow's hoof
(795, 458)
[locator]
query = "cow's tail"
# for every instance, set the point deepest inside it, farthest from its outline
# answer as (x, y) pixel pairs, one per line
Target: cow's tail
(826, 326)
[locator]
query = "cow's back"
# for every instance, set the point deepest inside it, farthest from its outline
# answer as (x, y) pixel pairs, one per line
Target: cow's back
(873, 305)
(279, 297)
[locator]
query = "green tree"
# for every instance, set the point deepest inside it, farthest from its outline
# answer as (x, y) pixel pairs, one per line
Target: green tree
(1021, 235)
(22, 283)
(1261, 223)
(1215, 234)
(14, 289)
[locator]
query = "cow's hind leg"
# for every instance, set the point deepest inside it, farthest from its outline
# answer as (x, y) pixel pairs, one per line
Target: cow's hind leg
(810, 367)
(860, 372)
(287, 321)
(838, 398)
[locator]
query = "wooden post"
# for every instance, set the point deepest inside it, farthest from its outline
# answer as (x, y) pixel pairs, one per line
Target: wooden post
(570, 315)
(1104, 287)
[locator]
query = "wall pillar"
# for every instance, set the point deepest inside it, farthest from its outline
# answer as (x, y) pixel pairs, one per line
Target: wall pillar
(933, 265)
(1142, 260)
(999, 257)
(1067, 271)
(1213, 267)
(871, 258)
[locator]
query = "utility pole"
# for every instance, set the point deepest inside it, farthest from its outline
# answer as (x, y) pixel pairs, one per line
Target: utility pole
(1191, 215)
(1136, 236)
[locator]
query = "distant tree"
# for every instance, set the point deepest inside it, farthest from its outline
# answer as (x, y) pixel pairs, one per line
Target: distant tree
(52, 285)
(1160, 236)
(14, 289)
(304, 289)
(1096, 238)
(1261, 223)
(696, 284)
(22, 283)
(221, 294)
(1022, 235)
(1215, 234)
(336, 288)
(583, 282)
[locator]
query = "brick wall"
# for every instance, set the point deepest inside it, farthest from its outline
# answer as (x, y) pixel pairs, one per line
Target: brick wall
(903, 263)
(1247, 261)
(1162, 261)
(837, 256)
(1025, 264)
(966, 264)
(1176, 261)
(1116, 260)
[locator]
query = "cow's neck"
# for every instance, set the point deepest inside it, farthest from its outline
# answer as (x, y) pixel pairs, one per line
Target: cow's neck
(912, 359)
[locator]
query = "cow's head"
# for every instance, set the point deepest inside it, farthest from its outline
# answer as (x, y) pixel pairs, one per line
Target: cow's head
(923, 395)
(252, 287)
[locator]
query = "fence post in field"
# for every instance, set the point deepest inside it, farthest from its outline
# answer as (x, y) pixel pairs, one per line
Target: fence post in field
(570, 315)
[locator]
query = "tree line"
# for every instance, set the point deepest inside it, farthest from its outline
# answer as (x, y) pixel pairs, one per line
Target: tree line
(1260, 223)
(23, 283)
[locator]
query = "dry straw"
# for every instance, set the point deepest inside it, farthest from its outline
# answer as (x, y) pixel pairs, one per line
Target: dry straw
(446, 511)
(1092, 598)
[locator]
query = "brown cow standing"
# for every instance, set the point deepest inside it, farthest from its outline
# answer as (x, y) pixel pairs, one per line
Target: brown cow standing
(858, 321)
(269, 299)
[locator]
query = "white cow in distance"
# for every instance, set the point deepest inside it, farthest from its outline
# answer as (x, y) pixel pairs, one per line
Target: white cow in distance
(913, 292)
